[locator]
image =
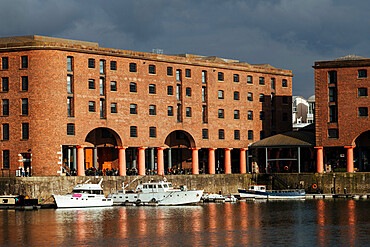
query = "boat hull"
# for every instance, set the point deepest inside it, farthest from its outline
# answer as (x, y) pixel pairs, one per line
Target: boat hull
(70, 201)
(251, 194)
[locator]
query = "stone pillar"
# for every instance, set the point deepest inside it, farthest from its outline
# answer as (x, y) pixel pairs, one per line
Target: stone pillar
(141, 161)
(228, 160)
(80, 161)
(122, 161)
(350, 167)
(69, 158)
(211, 161)
(74, 165)
(95, 157)
(320, 159)
(160, 161)
(169, 158)
(195, 166)
(134, 158)
(243, 162)
(152, 159)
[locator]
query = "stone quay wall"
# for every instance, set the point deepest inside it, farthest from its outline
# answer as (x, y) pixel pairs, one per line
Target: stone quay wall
(44, 187)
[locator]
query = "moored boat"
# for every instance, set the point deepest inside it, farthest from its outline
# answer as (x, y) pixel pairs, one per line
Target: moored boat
(161, 193)
(260, 192)
(18, 202)
(84, 195)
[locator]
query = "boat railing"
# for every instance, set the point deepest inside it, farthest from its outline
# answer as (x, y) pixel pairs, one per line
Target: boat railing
(285, 191)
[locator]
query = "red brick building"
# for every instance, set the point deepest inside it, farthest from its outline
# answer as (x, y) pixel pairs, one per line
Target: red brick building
(342, 114)
(72, 105)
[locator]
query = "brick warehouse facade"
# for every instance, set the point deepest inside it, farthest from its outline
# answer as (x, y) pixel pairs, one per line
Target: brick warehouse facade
(342, 118)
(72, 105)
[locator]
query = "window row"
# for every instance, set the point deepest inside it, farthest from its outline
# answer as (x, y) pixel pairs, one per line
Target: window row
(6, 106)
(333, 113)
(25, 131)
(332, 75)
(5, 62)
(23, 84)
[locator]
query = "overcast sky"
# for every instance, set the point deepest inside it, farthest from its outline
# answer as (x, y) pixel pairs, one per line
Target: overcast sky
(288, 34)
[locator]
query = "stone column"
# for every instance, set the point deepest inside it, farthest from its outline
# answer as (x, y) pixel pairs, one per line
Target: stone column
(195, 166)
(69, 158)
(141, 161)
(228, 160)
(320, 159)
(74, 165)
(122, 161)
(160, 161)
(169, 158)
(95, 156)
(80, 161)
(243, 162)
(350, 167)
(211, 161)
(152, 159)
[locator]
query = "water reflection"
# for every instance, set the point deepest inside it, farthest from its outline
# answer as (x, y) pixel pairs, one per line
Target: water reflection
(312, 222)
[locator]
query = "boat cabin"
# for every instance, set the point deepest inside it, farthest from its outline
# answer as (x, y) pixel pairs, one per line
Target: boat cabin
(257, 187)
(154, 187)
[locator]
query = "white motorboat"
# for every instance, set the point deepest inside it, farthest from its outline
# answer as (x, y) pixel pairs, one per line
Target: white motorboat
(260, 192)
(161, 193)
(84, 195)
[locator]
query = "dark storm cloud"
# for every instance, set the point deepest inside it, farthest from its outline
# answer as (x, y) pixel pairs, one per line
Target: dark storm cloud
(286, 34)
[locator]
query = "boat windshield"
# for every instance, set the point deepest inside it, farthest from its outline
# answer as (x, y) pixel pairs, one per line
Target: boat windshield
(96, 192)
(170, 185)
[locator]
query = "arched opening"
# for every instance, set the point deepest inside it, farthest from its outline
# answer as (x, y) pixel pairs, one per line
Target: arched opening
(362, 152)
(180, 143)
(103, 156)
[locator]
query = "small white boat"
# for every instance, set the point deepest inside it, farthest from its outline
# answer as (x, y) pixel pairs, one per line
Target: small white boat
(161, 193)
(260, 192)
(209, 197)
(84, 195)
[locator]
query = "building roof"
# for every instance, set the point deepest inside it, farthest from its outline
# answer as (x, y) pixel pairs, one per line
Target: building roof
(345, 61)
(288, 139)
(350, 57)
(311, 98)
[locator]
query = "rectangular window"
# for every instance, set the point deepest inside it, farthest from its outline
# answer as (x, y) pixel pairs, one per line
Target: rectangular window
(152, 110)
(236, 78)
(333, 114)
(102, 109)
(236, 114)
(204, 94)
(170, 71)
(91, 106)
(284, 83)
(5, 63)
(236, 95)
(133, 108)
(250, 115)
(220, 76)
(333, 133)
(249, 79)
(205, 134)
(133, 131)
(262, 134)
(102, 67)
(204, 77)
(262, 98)
(363, 112)
(178, 75)
(236, 134)
(250, 97)
(285, 99)
(24, 107)
(178, 92)
(133, 67)
(5, 84)
(220, 94)
(362, 73)
(188, 92)
(204, 114)
(113, 86)
(262, 115)
(25, 131)
(152, 132)
(69, 63)
(220, 113)
(250, 135)
(151, 88)
(133, 88)
(113, 65)
(91, 84)
(24, 62)
(70, 110)
(151, 69)
(262, 80)
(6, 162)
(101, 87)
(91, 63)
(285, 116)
(362, 92)
(332, 94)
(170, 111)
(187, 73)
(69, 84)
(5, 132)
(179, 113)
(221, 134)
(70, 129)
(113, 108)
(169, 90)
(5, 107)
(188, 111)
(272, 83)
(332, 77)
(24, 83)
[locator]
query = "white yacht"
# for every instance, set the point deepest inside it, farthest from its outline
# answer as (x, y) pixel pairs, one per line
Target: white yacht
(161, 193)
(84, 195)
